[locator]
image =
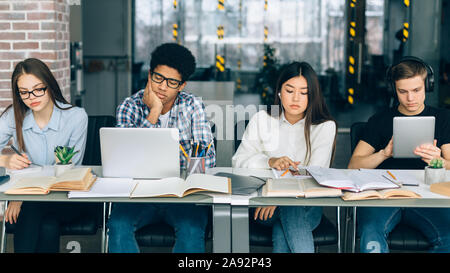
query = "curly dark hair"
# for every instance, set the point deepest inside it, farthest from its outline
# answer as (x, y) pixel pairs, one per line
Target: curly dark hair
(175, 56)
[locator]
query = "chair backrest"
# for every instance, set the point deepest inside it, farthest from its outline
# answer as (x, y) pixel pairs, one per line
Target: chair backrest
(356, 133)
(92, 155)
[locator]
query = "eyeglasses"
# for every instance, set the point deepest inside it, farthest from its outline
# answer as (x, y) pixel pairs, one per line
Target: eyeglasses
(172, 83)
(38, 92)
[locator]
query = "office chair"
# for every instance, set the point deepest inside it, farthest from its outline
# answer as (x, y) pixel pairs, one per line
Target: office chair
(260, 235)
(90, 223)
(402, 237)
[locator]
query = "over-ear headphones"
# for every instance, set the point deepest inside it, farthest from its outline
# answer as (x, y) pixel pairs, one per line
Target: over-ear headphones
(429, 81)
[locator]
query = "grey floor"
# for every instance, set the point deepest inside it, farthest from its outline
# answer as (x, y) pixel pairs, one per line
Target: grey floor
(344, 116)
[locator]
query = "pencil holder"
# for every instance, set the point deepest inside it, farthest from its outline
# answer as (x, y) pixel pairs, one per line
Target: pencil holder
(196, 165)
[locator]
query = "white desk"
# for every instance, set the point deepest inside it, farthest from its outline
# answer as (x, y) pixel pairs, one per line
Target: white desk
(221, 211)
(240, 217)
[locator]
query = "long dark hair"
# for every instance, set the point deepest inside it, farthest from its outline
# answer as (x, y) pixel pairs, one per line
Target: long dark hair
(316, 112)
(41, 71)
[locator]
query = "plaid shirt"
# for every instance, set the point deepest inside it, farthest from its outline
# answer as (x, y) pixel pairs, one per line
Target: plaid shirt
(187, 114)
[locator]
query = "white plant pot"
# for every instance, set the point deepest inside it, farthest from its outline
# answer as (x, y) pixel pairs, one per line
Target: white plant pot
(59, 169)
(434, 175)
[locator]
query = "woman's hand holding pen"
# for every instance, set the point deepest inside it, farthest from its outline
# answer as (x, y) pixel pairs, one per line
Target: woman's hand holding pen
(282, 163)
(12, 212)
(17, 162)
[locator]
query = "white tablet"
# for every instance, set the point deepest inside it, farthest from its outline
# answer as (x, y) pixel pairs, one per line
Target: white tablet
(410, 132)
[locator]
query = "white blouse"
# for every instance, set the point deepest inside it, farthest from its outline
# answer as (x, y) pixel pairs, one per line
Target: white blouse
(267, 137)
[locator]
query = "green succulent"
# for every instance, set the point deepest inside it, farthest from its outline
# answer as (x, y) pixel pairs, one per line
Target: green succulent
(65, 154)
(436, 163)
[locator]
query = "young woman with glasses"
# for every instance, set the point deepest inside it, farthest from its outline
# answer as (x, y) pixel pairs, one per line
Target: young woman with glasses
(38, 120)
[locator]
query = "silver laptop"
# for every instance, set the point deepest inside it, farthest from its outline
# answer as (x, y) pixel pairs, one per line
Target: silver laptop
(146, 153)
(410, 132)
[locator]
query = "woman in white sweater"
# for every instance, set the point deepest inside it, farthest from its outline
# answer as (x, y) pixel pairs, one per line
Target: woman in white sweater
(299, 130)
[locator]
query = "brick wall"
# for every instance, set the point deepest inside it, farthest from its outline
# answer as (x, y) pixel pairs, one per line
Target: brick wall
(34, 29)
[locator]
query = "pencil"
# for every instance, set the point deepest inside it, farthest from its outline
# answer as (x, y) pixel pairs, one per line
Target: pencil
(184, 152)
(196, 151)
(285, 172)
(209, 146)
(391, 175)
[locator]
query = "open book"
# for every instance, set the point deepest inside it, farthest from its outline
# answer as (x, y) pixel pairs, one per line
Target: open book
(350, 180)
(400, 193)
(80, 179)
(177, 187)
(292, 187)
(401, 177)
(107, 187)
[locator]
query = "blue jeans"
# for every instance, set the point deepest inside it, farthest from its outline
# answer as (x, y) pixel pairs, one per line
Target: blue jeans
(375, 224)
(292, 228)
(188, 220)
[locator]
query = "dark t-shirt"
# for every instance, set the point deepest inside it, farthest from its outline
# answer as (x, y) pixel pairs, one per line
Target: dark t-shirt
(378, 133)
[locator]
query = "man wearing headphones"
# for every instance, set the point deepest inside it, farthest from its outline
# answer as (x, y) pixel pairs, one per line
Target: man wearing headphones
(408, 79)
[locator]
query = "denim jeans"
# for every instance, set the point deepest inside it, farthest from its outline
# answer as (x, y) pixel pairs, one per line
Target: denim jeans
(188, 220)
(292, 228)
(375, 224)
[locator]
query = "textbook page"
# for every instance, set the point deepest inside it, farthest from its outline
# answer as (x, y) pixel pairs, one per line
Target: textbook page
(73, 175)
(30, 169)
(43, 182)
(167, 186)
(330, 177)
(207, 182)
(351, 180)
(405, 178)
(313, 189)
(107, 187)
(32, 172)
(369, 180)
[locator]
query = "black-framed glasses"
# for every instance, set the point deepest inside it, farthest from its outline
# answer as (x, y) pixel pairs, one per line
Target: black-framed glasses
(37, 92)
(172, 83)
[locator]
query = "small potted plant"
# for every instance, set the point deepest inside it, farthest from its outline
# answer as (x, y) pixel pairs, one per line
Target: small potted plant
(435, 171)
(64, 157)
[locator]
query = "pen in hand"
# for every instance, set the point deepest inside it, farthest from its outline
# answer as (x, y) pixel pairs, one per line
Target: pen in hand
(17, 152)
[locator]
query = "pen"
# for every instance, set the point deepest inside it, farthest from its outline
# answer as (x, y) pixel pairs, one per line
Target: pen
(398, 184)
(391, 175)
(285, 172)
(17, 152)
